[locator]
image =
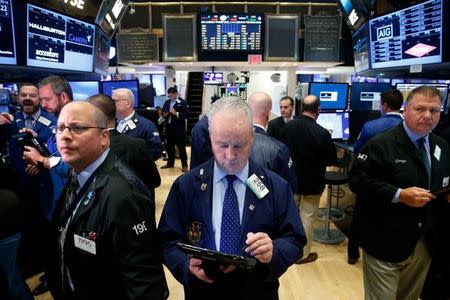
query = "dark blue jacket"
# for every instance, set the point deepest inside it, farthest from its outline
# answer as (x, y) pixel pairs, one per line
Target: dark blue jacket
(374, 127)
(178, 122)
(200, 143)
(274, 155)
(146, 130)
(189, 205)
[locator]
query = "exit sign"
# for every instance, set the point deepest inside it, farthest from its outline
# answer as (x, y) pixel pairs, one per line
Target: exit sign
(254, 59)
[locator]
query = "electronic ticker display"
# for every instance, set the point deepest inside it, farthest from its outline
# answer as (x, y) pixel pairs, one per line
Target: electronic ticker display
(409, 36)
(7, 39)
(57, 41)
(241, 32)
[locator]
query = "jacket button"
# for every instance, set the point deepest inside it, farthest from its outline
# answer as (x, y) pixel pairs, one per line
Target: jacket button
(419, 224)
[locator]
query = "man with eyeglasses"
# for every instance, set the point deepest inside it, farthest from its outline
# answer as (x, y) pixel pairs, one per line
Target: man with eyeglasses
(129, 122)
(397, 177)
(104, 244)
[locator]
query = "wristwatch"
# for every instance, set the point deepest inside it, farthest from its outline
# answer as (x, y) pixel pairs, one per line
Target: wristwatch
(40, 162)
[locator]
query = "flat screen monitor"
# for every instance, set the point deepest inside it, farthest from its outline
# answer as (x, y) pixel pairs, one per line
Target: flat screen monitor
(101, 53)
(406, 88)
(361, 43)
(12, 87)
(59, 42)
(159, 101)
(5, 97)
(4, 108)
(409, 36)
(230, 35)
(336, 123)
(7, 38)
(83, 89)
(354, 11)
(333, 96)
(367, 96)
(109, 86)
(212, 78)
(110, 14)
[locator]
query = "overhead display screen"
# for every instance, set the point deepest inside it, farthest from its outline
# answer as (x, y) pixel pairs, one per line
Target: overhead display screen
(57, 41)
(7, 40)
(110, 15)
(83, 9)
(361, 44)
(231, 32)
(409, 36)
(406, 88)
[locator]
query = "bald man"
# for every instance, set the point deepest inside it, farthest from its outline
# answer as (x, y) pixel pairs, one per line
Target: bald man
(266, 150)
(312, 151)
(104, 223)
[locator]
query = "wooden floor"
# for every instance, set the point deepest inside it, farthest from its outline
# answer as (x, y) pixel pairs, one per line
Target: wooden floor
(330, 277)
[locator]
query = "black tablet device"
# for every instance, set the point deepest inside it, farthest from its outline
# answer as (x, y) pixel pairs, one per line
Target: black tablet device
(442, 192)
(218, 257)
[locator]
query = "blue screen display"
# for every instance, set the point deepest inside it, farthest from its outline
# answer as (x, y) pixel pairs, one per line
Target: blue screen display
(336, 123)
(5, 97)
(57, 41)
(333, 96)
(109, 86)
(361, 42)
(409, 36)
(84, 89)
(406, 88)
(8, 41)
(366, 96)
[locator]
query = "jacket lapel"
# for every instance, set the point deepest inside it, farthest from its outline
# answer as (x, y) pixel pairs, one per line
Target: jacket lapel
(203, 188)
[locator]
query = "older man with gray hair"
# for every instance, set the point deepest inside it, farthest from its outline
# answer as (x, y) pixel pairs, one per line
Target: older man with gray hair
(129, 122)
(232, 205)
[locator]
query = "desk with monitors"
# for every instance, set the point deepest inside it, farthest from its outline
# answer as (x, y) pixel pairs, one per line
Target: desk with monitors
(336, 123)
(409, 36)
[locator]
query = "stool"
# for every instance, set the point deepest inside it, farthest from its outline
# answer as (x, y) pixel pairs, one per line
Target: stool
(331, 214)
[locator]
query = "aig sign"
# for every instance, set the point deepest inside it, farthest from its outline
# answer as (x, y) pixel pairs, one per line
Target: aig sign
(385, 32)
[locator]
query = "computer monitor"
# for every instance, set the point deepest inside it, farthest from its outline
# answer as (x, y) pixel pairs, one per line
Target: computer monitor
(83, 89)
(5, 97)
(109, 86)
(336, 123)
(212, 78)
(333, 96)
(367, 96)
(406, 88)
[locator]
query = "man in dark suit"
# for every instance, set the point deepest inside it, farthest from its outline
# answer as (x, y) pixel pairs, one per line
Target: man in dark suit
(391, 102)
(395, 177)
(276, 126)
(104, 239)
(200, 144)
(132, 124)
(266, 150)
(132, 151)
(212, 207)
(312, 150)
(175, 112)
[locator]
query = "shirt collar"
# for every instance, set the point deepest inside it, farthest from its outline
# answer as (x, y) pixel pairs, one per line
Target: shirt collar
(260, 126)
(219, 174)
(393, 113)
(35, 115)
(86, 173)
(129, 117)
(413, 136)
(288, 119)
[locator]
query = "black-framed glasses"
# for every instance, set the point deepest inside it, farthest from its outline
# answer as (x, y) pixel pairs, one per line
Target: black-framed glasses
(74, 128)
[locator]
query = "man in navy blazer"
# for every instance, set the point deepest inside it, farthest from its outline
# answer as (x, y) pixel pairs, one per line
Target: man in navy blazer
(175, 113)
(269, 228)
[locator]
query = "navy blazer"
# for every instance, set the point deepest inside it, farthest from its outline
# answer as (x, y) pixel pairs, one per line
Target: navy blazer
(179, 122)
(274, 155)
(146, 130)
(189, 208)
(374, 127)
(200, 143)
(390, 160)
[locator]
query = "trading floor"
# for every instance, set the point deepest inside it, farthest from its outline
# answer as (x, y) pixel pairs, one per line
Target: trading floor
(330, 277)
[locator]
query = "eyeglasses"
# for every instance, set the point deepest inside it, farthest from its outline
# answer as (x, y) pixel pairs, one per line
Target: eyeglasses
(75, 129)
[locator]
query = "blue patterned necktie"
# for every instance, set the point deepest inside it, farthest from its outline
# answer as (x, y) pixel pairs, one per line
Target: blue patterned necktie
(231, 225)
(29, 122)
(424, 157)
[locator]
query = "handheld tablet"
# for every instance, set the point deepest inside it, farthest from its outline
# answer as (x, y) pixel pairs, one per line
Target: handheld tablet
(218, 257)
